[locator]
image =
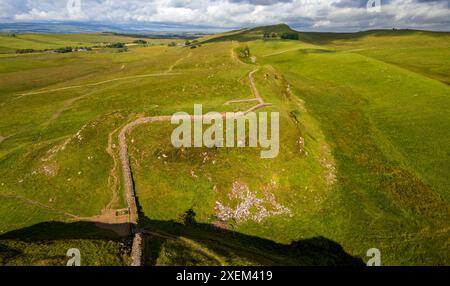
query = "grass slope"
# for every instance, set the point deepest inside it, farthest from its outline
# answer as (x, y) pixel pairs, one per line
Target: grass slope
(249, 34)
(388, 127)
(363, 161)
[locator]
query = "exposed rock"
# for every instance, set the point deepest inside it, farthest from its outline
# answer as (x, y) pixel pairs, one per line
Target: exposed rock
(50, 169)
(250, 207)
(301, 145)
(326, 160)
(136, 250)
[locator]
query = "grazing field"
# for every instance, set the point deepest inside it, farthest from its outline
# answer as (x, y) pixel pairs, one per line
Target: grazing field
(389, 131)
(10, 43)
(363, 162)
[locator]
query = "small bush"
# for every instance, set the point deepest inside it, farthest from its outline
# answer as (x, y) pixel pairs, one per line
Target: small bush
(116, 46)
(141, 42)
(244, 52)
(64, 50)
(290, 36)
(25, 51)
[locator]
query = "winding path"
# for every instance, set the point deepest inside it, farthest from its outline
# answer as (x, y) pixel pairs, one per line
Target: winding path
(38, 204)
(3, 138)
(123, 147)
(130, 193)
(111, 216)
(97, 83)
(170, 69)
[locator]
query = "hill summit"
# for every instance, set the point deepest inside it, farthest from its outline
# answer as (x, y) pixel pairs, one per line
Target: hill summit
(251, 34)
(279, 28)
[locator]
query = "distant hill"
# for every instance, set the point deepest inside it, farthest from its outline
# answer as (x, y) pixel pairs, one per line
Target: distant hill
(257, 33)
(97, 27)
(326, 37)
(280, 28)
(252, 34)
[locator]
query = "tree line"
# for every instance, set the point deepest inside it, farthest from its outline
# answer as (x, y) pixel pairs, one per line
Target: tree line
(284, 36)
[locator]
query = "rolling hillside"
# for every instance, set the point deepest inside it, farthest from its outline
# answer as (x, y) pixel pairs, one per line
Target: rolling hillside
(246, 35)
(363, 159)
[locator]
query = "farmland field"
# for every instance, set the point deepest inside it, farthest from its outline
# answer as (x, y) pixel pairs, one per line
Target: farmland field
(363, 162)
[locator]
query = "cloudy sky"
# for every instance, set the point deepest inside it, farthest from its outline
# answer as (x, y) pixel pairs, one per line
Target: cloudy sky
(321, 15)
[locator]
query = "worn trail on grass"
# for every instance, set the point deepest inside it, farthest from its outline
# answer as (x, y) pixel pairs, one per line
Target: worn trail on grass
(234, 56)
(97, 83)
(113, 180)
(282, 52)
(3, 138)
(123, 146)
(109, 214)
(38, 204)
(192, 244)
(170, 69)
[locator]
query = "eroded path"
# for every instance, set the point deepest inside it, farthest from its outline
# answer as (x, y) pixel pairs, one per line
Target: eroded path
(130, 192)
(113, 216)
(122, 221)
(191, 244)
(113, 180)
(38, 204)
(123, 147)
(170, 69)
(97, 83)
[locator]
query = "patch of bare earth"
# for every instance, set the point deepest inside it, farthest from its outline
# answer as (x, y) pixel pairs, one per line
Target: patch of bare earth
(113, 180)
(301, 146)
(50, 167)
(249, 206)
(327, 162)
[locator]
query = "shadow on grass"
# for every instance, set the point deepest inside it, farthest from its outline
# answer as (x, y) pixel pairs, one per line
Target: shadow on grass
(232, 246)
(61, 231)
(188, 238)
(46, 244)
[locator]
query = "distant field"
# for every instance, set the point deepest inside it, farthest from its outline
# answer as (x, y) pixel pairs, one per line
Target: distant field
(364, 158)
(10, 44)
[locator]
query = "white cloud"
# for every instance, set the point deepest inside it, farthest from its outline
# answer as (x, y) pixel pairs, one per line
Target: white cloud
(307, 14)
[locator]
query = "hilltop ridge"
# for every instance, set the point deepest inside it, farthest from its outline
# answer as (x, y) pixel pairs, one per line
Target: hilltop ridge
(251, 34)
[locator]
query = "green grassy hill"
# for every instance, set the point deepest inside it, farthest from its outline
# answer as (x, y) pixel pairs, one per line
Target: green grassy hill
(250, 34)
(10, 43)
(363, 158)
(387, 124)
(422, 52)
